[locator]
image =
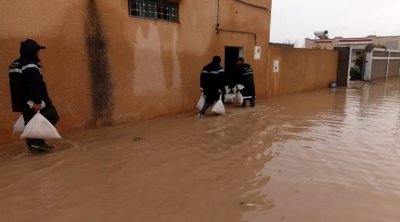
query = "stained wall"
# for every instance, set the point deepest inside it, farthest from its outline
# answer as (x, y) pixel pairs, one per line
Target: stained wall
(103, 67)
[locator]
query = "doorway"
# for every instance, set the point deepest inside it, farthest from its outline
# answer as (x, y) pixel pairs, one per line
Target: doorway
(231, 54)
(343, 66)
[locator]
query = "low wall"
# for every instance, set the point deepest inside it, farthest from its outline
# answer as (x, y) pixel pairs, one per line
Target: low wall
(301, 69)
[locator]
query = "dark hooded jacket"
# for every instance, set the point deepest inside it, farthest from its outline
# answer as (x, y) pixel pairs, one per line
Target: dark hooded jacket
(26, 78)
(245, 76)
(212, 80)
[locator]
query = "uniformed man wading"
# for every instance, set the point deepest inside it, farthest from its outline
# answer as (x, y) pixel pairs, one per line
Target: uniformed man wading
(29, 92)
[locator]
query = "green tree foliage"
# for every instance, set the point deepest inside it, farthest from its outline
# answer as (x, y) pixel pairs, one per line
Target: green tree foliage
(356, 70)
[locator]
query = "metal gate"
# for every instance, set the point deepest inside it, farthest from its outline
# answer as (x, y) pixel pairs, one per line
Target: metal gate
(381, 64)
(343, 66)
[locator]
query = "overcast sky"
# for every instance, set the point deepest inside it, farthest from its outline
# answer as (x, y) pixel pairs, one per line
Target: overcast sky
(295, 20)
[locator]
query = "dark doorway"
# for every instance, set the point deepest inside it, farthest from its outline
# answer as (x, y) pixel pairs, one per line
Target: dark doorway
(343, 65)
(231, 54)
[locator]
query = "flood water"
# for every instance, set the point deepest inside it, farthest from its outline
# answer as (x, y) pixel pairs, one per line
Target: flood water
(326, 155)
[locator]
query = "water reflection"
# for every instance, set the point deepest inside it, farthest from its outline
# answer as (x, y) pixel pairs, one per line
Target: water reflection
(327, 155)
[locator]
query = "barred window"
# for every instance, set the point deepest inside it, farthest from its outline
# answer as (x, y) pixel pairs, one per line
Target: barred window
(155, 9)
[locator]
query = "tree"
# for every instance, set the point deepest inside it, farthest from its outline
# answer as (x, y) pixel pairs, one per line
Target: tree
(356, 70)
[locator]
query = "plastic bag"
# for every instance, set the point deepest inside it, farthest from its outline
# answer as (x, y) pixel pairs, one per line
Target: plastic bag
(201, 102)
(228, 98)
(19, 125)
(40, 128)
(218, 107)
(238, 98)
(227, 89)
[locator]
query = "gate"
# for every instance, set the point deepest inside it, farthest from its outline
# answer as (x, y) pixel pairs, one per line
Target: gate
(381, 63)
(343, 66)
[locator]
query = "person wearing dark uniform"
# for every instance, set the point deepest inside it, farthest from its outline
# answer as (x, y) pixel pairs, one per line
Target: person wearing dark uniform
(29, 92)
(245, 77)
(211, 83)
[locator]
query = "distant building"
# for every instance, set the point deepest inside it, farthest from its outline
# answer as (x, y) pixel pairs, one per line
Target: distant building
(372, 57)
(388, 42)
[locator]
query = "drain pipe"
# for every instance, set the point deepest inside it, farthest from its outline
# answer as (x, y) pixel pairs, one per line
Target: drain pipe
(218, 29)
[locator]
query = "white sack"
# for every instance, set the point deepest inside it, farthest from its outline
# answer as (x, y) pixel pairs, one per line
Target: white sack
(19, 126)
(218, 107)
(227, 89)
(40, 128)
(229, 98)
(201, 102)
(238, 98)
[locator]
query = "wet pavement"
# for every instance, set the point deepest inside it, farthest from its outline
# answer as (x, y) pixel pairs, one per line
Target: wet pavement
(326, 155)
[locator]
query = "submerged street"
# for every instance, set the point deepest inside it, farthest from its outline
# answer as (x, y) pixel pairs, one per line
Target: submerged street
(325, 155)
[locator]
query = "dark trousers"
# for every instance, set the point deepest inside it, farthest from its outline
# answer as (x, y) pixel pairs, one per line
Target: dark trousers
(49, 112)
(252, 102)
(205, 107)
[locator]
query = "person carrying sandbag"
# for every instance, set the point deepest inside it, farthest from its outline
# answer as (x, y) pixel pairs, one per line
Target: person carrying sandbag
(245, 82)
(211, 83)
(29, 92)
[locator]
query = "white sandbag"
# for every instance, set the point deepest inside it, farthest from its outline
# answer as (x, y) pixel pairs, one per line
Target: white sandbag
(201, 102)
(218, 107)
(229, 98)
(227, 89)
(238, 98)
(40, 128)
(19, 125)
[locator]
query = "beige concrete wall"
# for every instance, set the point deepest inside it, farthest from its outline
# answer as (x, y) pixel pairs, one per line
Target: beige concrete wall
(59, 25)
(391, 42)
(301, 70)
(320, 44)
(153, 66)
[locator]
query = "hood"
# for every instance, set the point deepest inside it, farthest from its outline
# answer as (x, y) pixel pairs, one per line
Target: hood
(216, 60)
(29, 48)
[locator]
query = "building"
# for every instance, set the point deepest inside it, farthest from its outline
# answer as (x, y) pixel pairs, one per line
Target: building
(388, 42)
(372, 57)
(110, 62)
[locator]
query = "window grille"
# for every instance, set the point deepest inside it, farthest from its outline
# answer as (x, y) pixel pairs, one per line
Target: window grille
(155, 9)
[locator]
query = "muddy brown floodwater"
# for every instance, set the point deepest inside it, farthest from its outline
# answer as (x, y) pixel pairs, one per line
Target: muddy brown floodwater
(327, 155)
